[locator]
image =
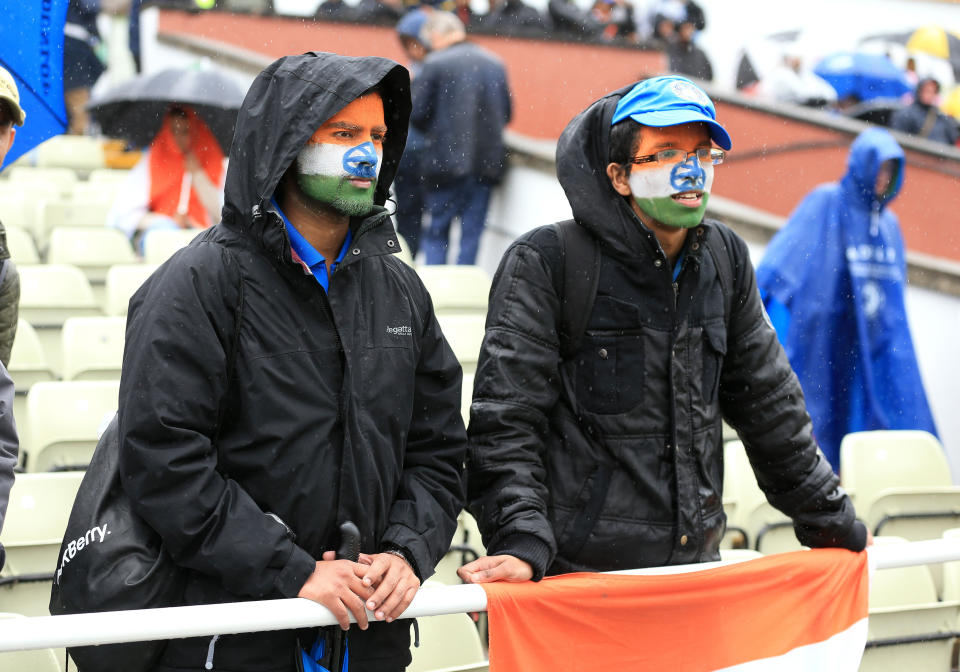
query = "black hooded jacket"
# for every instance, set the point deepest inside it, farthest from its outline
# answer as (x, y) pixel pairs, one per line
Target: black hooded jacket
(613, 459)
(257, 412)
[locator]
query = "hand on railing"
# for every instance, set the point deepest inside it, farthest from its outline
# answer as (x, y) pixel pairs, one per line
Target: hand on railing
(496, 568)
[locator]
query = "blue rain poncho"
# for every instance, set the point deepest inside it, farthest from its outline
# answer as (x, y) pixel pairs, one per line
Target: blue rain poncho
(832, 281)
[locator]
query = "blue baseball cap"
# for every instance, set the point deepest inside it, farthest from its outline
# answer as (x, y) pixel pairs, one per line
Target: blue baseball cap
(668, 101)
(411, 23)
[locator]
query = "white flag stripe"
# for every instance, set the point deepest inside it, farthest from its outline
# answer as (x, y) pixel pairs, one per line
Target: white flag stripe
(840, 653)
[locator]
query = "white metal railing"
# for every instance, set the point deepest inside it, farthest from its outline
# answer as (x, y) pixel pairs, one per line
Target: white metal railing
(43, 632)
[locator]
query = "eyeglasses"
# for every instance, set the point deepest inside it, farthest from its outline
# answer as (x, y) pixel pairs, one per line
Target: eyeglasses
(666, 157)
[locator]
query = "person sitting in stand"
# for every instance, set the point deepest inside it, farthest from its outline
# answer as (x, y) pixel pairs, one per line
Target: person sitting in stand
(177, 184)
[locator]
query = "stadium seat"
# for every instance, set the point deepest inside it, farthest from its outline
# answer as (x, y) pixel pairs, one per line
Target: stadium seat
(107, 176)
(103, 192)
(58, 182)
(903, 613)
(28, 365)
(871, 462)
(404, 253)
(77, 152)
(37, 660)
(158, 246)
(23, 250)
(63, 418)
(19, 208)
(464, 333)
(741, 494)
(122, 281)
(93, 251)
(36, 519)
(457, 289)
(466, 397)
(85, 213)
(49, 294)
(93, 348)
(447, 643)
(950, 589)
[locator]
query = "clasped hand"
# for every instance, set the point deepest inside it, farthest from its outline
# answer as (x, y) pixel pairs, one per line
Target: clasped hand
(382, 583)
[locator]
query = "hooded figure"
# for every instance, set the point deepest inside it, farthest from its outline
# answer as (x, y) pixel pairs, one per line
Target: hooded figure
(264, 403)
(611, 458)
(833, 284)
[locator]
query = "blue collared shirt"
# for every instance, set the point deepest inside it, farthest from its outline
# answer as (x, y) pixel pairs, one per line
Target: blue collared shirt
(307, 255)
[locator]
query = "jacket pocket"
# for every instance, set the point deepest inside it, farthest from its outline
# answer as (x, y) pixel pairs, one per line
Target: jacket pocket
(714, 350)
(609, 372)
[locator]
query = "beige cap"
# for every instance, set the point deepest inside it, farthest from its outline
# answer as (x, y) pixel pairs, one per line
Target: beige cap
(11, 96)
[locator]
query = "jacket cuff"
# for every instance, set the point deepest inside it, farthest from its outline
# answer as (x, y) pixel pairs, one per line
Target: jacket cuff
(299, 567)
(405, 554)
(528, 548)
(854, 539)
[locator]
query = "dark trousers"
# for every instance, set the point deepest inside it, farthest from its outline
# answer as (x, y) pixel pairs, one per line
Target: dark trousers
(466, 198)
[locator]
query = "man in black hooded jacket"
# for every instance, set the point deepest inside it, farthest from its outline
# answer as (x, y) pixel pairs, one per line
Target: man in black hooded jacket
(611, 458)
(285, 373)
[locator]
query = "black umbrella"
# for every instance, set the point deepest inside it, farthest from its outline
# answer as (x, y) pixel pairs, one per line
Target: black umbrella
(135, 109)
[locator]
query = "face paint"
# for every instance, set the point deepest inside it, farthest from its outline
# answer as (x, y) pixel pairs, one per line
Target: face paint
(341, 163)
(654, 188)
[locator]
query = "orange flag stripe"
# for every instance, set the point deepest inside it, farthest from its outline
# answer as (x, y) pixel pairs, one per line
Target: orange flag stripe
(691, 622)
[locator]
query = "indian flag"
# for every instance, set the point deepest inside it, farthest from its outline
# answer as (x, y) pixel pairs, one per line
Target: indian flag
(794, 611)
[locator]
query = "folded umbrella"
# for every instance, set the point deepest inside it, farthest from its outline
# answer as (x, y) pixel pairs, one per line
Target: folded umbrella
(866, 76)
(135, 109)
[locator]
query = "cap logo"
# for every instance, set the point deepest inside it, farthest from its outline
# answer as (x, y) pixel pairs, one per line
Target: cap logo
(688, 91)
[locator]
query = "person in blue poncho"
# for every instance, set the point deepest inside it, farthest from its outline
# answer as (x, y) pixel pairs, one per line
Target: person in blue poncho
(832, 281)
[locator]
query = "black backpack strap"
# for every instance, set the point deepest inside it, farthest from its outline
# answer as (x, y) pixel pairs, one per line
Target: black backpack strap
(580, 263)
(724, 266)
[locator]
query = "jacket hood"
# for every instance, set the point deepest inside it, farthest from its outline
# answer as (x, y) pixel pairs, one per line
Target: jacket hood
(583, 153)
(286, 104)
(870, 149)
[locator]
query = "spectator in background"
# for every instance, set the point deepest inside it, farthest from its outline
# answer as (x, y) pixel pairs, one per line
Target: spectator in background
(513, 17)
(616, 17)
(337, 10)
(463, 12)
(685, 57)
(379, 11)
(572, 22)
(923, 117)
(461, 103)
(408, 185)
(82, 65)
(791, 82)
(178, 182)
(833, 283)
(11, 114)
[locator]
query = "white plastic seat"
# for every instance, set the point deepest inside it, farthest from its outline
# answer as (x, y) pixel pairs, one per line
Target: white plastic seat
(37, 515)
(76, 213)
(77, 152)
(404, 253)
(456, 289)
(18, 207)
(49, 294)
(871, 462)
(741, 494)
(93, 348)
(63, 418)
(449, 642)
(160, 245)
(466, 397)
(464, 332)
(93, 251)
(28, 365)
(58, 181)
(107, 176)
(20, 243)
(36, 660)
(122, 281)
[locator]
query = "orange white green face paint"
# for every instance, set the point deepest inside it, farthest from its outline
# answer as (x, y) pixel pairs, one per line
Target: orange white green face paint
(341, 162)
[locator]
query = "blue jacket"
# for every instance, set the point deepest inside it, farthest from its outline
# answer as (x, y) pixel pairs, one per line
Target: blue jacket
(833, 283)
(461, 102)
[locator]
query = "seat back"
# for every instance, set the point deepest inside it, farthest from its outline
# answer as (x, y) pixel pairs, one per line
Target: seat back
(741, 494)
(64, 419)
(37, 515)
(77, 152)
(160, 245)
(871, 462)
(93, 348)
(18, 207)
(57, 181)
(28, 361)
(50, 293)
(901, 586)
(93, 251)
(88, 212)
(122, 281)
(466, 397)
(921, 630)
(23, 250)
(449, 642)
(464, 333)
(457, 289)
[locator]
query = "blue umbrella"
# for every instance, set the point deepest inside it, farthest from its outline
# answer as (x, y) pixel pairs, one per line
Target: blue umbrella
(31, 49)
(866, 76)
